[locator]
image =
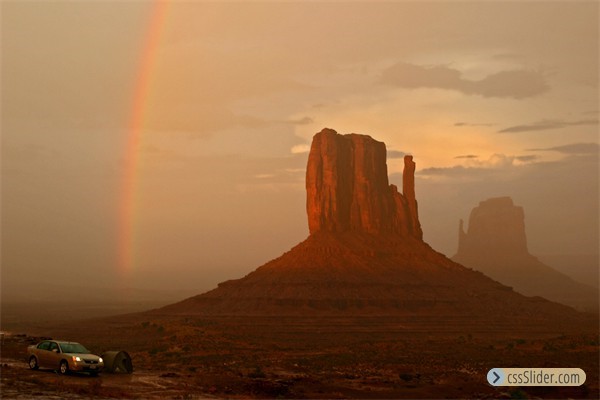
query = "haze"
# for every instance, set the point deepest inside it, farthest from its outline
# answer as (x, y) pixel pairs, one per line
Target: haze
(491, 99)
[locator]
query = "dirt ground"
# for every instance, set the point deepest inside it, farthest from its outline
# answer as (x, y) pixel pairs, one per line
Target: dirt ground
(411, 357)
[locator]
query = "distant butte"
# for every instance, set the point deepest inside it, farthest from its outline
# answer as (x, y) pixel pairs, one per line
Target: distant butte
(365, 254)
(495, 244)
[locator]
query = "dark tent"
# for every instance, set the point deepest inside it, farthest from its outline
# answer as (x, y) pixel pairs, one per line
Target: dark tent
(117, 362)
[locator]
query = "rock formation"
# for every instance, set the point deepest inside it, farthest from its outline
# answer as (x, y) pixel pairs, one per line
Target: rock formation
(495, 244)
(496, 226)
(365, 255)
(347, 188)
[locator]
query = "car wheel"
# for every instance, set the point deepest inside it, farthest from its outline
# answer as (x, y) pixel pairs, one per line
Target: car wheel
(33, 363)
(63, 368)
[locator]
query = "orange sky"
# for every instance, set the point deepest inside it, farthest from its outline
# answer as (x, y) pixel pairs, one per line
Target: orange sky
(491, 98)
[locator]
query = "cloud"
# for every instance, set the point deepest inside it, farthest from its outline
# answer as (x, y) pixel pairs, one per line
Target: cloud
(472, 124)
(271, 174)
(495, 165)
(264, 176)
(457, 170)
(463, 174)
(395, 154)
(516, 84)
(415, 76)
(301, 121)
(300, 148)
(503, 166)
(467, 156)
(573, 148)
(295, 170)
(530, 157)
(547, 125)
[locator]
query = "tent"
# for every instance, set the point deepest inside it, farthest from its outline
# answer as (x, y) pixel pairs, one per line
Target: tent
(117, 362)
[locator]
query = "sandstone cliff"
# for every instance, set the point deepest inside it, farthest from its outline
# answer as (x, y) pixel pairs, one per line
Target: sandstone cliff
(348, 190)
(495, 244)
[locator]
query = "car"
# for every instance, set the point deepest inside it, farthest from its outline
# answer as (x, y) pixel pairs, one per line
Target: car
(64, 357)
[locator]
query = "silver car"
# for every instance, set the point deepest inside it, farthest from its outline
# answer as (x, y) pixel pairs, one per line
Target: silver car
(64, 357)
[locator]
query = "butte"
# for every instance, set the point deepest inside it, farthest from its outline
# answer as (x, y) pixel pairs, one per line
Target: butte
(365, 254)
(495, 244)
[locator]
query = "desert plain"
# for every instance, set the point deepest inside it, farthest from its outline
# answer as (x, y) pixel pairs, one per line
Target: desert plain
(189, 357)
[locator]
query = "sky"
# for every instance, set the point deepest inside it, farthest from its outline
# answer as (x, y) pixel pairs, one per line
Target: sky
(163, 145)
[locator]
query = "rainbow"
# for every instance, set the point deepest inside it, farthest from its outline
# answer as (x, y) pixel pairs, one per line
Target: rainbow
(126, 224)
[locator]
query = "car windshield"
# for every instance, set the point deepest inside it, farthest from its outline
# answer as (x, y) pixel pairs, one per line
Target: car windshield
(73, 348)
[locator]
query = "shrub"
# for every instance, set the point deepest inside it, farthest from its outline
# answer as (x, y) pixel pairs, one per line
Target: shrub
(258, 373)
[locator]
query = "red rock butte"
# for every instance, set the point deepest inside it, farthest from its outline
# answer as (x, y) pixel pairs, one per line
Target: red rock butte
(365, 254)
(496, 226)
(347, 188)
(495, 244)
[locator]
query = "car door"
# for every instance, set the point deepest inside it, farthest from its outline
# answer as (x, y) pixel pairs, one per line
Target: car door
(54, 355)
(43, 354)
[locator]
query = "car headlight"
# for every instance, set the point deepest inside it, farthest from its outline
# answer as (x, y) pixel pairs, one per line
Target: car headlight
(75, 358)
(100, 359)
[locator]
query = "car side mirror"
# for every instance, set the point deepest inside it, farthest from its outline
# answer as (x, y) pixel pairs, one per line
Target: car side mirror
(55, 350)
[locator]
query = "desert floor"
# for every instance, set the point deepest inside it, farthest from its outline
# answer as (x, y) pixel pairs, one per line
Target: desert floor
(190, 357)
